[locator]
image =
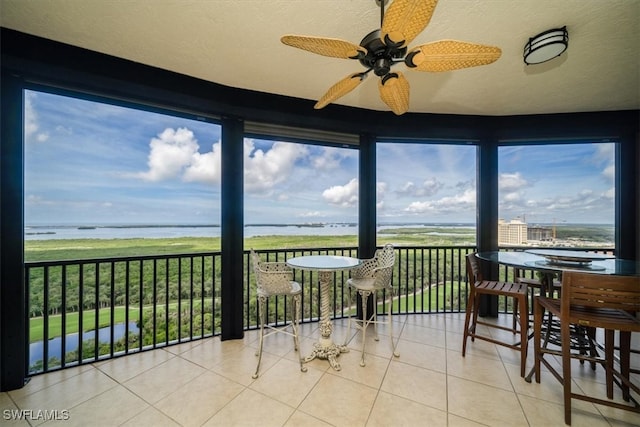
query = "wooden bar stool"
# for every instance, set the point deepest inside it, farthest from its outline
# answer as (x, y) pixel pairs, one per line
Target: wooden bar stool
(477, 287)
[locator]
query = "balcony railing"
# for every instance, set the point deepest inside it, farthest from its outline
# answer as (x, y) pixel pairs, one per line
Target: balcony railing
(121, 305)
(82, 311)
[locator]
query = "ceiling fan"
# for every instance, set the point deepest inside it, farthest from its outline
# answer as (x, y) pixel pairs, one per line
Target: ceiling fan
(383, 48)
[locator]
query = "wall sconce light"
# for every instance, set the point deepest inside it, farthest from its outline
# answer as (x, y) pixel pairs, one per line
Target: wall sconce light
(546, 46)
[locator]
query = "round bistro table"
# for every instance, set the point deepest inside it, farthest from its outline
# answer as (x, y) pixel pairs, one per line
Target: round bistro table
(326, 266)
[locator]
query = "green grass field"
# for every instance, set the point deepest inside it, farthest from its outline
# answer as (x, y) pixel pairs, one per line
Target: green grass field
(36, 324)
(73, 249)
(76, 249)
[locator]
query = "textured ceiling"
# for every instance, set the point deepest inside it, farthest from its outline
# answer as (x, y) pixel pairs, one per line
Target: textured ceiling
(237, 43)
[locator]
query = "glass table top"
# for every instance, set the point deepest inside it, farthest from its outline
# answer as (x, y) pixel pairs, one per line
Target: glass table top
(597, 264)
(323, 262)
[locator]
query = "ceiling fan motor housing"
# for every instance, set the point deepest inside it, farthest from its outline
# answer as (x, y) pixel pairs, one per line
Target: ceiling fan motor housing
(379, 57)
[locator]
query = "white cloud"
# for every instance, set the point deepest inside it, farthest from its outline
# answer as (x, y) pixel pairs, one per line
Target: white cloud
(31, 125)
(171, 152)
(468, 198)
(510, 182)
(586, 205)
(578, 201)
(314, 214)
(510, 185)
(512, 197)
(421, 207)
(30, 115)
(466, 185)
(603, 157)
(430, 187)
(205, 167)
(609, 172)
(604, 152)
(263, 170)
(407, 188)
(37, 200)
(455, 203)
(610, 193)
(381, 191)
(174, 154)
(342, 195)
(330, 159)
(64, 130)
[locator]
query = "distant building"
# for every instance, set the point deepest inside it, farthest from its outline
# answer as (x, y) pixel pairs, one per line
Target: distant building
(542, 234)
(513, 232)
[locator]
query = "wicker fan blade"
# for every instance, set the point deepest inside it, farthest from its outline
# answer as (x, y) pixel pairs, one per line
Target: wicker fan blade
(394, 91)
(405, 19)
(340, 89)
(447, 55)
(325, 46)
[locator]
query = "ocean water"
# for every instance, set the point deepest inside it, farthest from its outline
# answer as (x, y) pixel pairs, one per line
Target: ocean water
(50, 232)
(151, 232)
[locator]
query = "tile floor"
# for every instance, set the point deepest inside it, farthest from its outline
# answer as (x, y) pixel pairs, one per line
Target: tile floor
(208, 383)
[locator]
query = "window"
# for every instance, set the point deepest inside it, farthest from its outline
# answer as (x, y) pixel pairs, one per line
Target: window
(99, 171)
(96, 170)
(562, 193)
(427, 189)
(300, 189)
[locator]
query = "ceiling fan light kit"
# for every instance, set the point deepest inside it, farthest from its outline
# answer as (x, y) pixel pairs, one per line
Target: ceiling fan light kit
(546, 46)
(383, 48)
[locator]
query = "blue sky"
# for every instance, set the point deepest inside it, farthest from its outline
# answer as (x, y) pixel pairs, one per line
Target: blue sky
(91, 163)
(558, 183)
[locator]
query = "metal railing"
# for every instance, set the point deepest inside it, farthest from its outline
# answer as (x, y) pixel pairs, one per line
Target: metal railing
(81, 311)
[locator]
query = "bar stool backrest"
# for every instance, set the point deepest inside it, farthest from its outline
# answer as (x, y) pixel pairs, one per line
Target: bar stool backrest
(600, 291)
(272, 278)
(473, 269)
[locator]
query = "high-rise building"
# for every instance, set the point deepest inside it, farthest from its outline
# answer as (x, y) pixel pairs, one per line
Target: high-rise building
(542, 234)
(513, 232)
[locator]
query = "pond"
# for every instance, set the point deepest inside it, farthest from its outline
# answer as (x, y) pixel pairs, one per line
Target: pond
(36, 349)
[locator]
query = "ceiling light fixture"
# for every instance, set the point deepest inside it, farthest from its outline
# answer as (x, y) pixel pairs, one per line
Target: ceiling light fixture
(546, 46)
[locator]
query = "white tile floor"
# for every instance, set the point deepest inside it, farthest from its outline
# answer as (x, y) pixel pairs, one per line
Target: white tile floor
(208, 383)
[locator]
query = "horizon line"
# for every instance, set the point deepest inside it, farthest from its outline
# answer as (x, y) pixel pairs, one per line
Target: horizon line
(292, 224)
